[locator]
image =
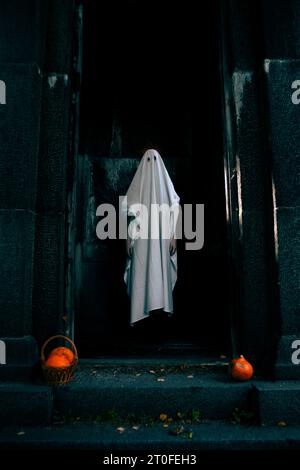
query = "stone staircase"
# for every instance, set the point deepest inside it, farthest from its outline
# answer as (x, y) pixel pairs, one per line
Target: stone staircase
(112, 391)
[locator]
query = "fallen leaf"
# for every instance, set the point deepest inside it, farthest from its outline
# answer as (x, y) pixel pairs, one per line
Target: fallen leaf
(165, 425)
(163, 417)
(160, 379)
(281, 424)
(163, 369)
(190, 376)
(152, 371)
(120, 429)
(136, 428)
(177, 430)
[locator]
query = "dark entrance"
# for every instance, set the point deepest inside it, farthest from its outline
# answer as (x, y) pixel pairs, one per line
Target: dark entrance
(150, 74)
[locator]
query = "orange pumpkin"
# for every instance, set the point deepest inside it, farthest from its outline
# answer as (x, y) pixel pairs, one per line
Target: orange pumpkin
(65, 352)
(55, 360)
(240, 369)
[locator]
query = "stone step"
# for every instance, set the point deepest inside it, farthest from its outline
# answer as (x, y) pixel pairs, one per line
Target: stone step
(97, 392)
(278, 402)
(25, 404)
(105, 438)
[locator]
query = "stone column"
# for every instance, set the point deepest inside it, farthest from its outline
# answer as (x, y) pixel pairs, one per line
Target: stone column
(55, 161)
(249, 186)
(21, 52)
(282, 74)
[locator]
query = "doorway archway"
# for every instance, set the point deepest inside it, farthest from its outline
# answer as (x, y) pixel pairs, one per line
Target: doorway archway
(150, 73)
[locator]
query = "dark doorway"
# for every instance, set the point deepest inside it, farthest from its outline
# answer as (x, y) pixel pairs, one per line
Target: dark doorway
(150, 74)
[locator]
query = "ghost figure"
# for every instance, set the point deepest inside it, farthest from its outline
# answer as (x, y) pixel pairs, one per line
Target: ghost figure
(152, 206)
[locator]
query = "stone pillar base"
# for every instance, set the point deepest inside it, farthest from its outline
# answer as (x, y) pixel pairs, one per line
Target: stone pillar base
(18, 358)
(285, 368)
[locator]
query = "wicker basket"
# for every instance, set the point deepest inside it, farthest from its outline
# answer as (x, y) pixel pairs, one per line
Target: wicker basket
(58, 375)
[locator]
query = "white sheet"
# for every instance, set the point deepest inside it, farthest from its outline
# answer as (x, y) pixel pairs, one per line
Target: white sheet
(151, 272)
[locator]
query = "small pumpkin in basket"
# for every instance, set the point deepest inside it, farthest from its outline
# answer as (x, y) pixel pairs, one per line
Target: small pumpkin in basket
(61, 351)
(56, 360)
(61, 362)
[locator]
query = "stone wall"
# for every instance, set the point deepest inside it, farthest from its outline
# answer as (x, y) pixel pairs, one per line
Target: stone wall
(35, 58)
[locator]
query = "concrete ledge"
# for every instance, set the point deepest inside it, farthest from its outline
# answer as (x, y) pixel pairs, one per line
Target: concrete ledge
(22, 350)
(278, 401)
(21, 357)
